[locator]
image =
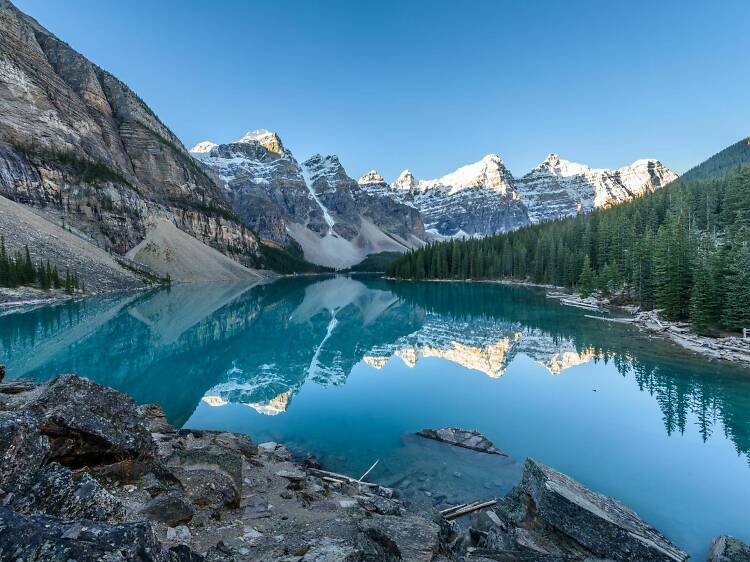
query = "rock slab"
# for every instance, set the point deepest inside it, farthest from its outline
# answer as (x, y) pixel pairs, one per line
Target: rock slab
(468, 439)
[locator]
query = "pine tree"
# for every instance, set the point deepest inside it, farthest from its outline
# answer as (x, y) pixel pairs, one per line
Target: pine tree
(586, 279)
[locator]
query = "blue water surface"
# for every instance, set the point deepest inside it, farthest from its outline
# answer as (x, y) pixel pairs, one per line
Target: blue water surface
(348, 368)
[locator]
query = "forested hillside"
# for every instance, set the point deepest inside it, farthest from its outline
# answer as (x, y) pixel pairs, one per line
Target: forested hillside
(683, 249)
(721, 163)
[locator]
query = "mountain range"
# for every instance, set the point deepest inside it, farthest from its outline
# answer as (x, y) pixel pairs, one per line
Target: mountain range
(84, 152)
(338, 221)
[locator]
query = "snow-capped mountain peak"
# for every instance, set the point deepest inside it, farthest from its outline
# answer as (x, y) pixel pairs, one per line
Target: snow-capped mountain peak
(267, 139)
(559, 188)
(489, 172)
(405, 181)
(371, 177)
(560, 167)
(203, 147)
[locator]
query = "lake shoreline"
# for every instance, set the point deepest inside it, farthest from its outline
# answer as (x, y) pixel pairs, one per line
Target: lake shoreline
(731, 349)
(195, 495)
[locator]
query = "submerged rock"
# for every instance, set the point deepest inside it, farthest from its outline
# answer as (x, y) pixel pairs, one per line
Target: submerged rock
(728, 549)
(468, 439)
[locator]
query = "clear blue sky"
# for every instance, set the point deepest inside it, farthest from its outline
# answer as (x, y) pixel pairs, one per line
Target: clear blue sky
(432, 85)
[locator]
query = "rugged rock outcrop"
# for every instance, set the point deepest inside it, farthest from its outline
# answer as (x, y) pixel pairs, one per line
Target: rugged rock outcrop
(550, 516)
(314, 205)
(559, 188)
(475, 200)
(728, 549)
(79, 145)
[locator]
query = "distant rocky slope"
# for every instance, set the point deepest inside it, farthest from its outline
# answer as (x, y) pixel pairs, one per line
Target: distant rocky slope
(314, 205)
(558, 188)
(84, 149)
(87, 474)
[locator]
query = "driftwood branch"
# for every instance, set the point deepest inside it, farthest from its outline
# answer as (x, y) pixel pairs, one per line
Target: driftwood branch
(369, 470)
(471, 508)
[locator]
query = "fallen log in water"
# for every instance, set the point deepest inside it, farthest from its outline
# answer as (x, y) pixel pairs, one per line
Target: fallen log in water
(471, 508)
(17, 386)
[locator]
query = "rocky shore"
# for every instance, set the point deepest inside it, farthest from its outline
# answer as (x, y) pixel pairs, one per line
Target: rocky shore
(729, 348)
(85, 474)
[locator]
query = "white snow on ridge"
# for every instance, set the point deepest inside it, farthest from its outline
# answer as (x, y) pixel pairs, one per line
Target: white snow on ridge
(309, 184)
(202, 148)
(256, 135)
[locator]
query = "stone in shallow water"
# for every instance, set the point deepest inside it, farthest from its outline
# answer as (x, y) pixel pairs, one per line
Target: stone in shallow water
(469, 439)
(728, 549)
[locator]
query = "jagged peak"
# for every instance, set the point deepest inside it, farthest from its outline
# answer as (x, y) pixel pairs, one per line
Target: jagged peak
(371, 177)
(202, 147)
(405, 181)
(558, 166)
(267, 139)
(489, 172)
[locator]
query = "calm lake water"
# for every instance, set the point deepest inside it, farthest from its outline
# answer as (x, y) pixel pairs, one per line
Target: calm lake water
(347, 369)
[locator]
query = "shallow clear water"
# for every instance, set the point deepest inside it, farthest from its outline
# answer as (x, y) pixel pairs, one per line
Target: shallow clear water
(348, 369)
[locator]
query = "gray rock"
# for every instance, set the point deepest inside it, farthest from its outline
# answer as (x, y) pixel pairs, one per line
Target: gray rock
(157, 421)
(23, 450)
(88, 424)
(728, 549)
(549, 512)
(58, 492)
(41, 538)
(388, 537)
(208, 469)
(171, 508)
(381, 505)
(179, 534)
(468, 439)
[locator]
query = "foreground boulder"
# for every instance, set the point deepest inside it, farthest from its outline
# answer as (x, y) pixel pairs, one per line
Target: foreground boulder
(40, 538)
(728, 549)
(88, 424)
(468, 439)
(23, 450)
(550, 514)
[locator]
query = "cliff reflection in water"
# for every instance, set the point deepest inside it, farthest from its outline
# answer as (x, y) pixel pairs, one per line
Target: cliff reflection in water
(258, 345)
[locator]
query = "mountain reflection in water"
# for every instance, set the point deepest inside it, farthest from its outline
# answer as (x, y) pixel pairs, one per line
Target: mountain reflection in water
(258, 345)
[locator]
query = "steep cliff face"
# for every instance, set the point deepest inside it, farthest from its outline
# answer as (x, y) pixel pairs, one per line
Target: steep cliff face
(80, 145)
(559, 188)
(314, 205)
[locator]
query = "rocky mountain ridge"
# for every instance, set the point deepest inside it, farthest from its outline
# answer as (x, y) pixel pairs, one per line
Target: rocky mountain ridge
(485, 198)
(89, 155)
(313, 204)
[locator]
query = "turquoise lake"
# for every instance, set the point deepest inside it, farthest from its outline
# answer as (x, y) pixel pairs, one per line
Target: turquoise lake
(347, 368)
